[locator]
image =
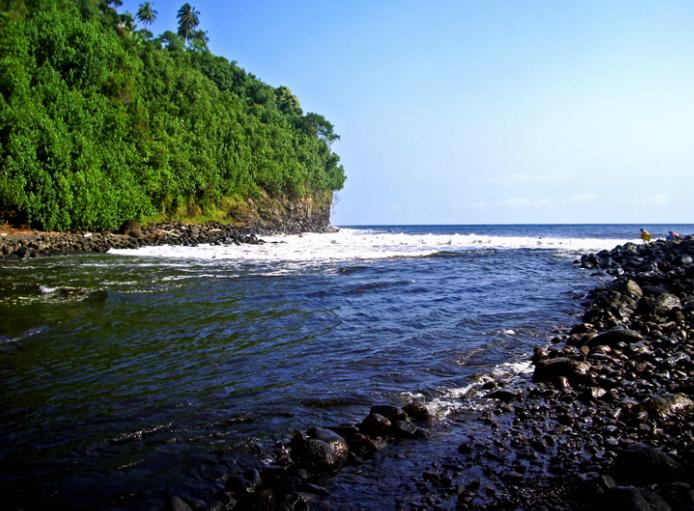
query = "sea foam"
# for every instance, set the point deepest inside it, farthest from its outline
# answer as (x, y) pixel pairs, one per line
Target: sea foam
(356, 244)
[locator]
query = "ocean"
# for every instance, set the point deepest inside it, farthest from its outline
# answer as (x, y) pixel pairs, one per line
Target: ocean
(127, 376)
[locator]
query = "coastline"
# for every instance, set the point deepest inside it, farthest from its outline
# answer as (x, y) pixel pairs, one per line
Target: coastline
(604, 422)
(24, 244)
(552, 442)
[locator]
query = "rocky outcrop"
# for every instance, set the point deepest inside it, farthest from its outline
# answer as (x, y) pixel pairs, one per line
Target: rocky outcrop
(25, 245)
(248, 220)
(284, 215)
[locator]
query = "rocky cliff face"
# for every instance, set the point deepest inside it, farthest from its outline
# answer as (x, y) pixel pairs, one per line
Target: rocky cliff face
(291, 216)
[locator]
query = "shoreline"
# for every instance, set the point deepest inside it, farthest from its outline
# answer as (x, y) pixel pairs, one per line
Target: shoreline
(604, 422)
(617, 379)
(24, 244)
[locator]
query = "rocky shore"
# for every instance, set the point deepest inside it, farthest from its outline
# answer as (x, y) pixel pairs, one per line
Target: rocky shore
(16, 244)
(608, 419)
(605, 422)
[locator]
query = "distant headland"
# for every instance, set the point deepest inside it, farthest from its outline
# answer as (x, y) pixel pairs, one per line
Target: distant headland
(102, 123)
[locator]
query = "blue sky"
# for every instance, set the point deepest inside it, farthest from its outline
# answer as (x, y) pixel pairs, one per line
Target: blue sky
(483, 111)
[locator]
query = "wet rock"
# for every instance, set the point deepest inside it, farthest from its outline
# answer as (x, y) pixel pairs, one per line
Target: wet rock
(666, 302)
(362, 445)
(295, 502)
(315, 489)
(595, 393)
(417, 410)
(628, 498)
(504, 395)
(375, 424)
(402, 429)
(176, 504)
(642, 465)
(664, 405)
(392, 413)
(322, 451)
(550, 370)
(633, 289)
(615, 336)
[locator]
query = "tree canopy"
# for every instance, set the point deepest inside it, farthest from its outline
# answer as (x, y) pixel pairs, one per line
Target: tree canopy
(101, 122)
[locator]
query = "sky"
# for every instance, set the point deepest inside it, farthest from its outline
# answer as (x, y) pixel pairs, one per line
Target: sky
(483, 111)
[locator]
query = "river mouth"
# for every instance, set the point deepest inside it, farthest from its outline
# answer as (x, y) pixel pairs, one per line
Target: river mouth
(128, 377)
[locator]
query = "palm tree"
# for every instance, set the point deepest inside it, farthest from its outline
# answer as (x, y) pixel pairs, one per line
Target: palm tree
(126, 23)
(146, 14)
(188, 21)
(199, 40)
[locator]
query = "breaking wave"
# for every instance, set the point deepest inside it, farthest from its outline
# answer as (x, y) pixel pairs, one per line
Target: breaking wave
(366, 244)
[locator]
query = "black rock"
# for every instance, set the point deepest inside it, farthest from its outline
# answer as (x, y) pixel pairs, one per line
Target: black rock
(615, 336)
(131, 228)
(416, 410)
(322, 451)
(392, 413)
(402, 429)
(641, 464)
(375, 424)
(504, 395)
(552, 369)
(176, 504)
(628, 498)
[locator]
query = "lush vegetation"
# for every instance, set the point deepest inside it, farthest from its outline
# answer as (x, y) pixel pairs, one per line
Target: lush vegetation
(101, 122)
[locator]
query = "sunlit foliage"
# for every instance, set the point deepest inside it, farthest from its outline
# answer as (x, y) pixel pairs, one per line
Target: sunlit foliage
(101, 122)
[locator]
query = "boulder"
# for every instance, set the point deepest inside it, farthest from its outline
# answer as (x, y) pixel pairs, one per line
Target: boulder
(633, 289)
(392, 413)
(375, 424)
(131, 228)
(322, 451)
(666, 302)
(417, 410)
(628, 498)
(402, 429)
(614, 336)
(335, 441)
(642, 465)
(550, 370)
(177, 504)
(664, 405)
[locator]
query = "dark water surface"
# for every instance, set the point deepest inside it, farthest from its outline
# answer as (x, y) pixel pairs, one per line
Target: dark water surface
(124, 377)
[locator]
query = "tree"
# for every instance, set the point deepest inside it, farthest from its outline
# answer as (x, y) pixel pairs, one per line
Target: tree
(286, 101)
(188, 21)
(126, 23)
(146, 13)
(199, 40)
(318, 126)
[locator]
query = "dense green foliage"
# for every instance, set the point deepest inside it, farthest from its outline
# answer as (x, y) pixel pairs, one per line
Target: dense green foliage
(100, 122)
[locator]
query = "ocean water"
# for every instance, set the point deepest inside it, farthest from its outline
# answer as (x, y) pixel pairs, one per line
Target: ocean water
(138, 373)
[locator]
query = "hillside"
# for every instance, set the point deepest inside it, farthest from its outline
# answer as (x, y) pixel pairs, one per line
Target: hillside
(102, 122)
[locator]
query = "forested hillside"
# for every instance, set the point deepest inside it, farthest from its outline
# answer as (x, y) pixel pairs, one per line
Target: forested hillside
(102, 122)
